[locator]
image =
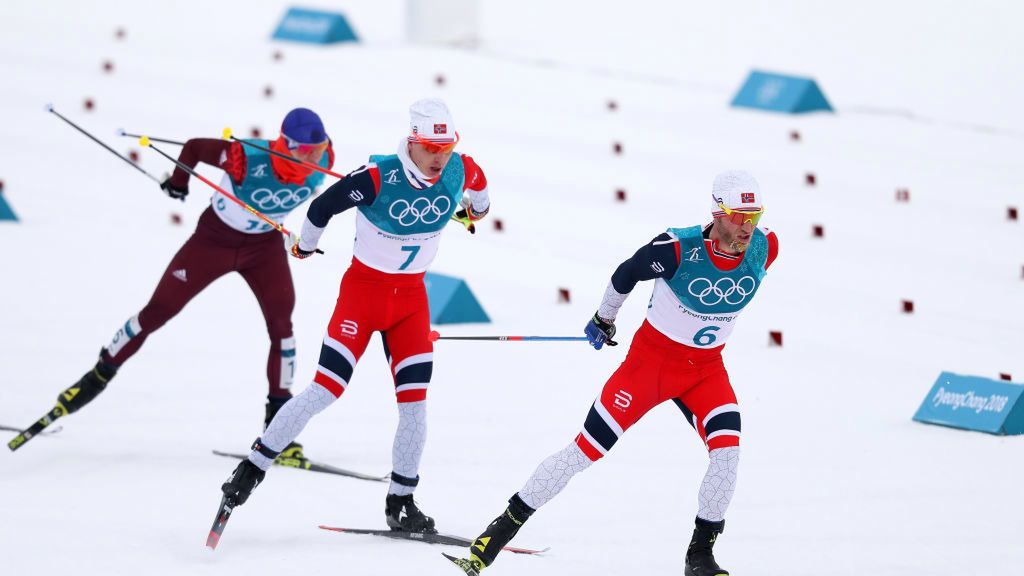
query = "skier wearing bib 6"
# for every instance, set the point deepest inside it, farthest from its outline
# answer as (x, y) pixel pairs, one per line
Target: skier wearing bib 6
(704, 277)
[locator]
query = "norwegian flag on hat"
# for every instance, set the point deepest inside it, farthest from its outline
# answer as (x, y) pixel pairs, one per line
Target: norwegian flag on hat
(736, 190)
(431, 120)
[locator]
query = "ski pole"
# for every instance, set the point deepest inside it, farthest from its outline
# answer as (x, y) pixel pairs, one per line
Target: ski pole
(145, 143)
(121, 132)
(49, 108)
(435, 336)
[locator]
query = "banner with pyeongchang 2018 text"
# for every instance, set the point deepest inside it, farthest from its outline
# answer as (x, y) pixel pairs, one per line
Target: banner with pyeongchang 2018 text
(974, 403)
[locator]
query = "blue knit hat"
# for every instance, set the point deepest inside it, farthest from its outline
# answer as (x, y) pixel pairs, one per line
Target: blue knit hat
(302, 125)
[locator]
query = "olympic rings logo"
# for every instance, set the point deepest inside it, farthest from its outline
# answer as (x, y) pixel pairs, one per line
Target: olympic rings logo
(284, 199)
(732, 292)
(419, 210)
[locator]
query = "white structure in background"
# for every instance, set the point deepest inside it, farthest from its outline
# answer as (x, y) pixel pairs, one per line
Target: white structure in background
(452, 22)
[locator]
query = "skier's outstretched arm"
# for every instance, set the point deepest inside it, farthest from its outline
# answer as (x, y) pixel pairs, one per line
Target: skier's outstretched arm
(357, 189)
(657, 259)
(220, 153)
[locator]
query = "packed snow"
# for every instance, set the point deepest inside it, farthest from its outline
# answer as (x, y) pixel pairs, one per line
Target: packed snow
(835, 478)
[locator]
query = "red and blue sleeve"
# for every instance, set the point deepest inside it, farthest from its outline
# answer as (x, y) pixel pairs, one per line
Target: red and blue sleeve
(359, 188)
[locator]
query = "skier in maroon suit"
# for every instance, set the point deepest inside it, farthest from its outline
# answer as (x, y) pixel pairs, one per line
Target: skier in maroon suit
(230, 239)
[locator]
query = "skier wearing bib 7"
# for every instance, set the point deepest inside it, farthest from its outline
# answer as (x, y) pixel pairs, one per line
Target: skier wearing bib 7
(403, 201)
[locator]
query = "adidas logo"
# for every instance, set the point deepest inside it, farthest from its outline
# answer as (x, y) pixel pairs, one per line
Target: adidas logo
(180, 275)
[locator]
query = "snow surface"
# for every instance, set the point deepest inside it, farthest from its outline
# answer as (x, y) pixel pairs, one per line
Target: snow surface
(835, 479)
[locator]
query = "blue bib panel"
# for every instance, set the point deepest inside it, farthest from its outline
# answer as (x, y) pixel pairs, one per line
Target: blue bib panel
(403, 210)
(702, 287)
(264, 192)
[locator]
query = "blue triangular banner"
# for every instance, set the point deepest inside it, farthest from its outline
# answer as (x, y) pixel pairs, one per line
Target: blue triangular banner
(451, 300)
(5, 211)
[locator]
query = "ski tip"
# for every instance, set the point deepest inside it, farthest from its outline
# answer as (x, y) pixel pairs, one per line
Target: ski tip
(212, 540)
(48, 107)
(119, 132)
(226, 134)
(331, 528)
(144, 141)
(434, 335)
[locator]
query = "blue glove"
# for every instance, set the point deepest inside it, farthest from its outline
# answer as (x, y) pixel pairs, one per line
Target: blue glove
(600, 332)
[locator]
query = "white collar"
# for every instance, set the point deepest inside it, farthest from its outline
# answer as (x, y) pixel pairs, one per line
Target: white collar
(415, 176)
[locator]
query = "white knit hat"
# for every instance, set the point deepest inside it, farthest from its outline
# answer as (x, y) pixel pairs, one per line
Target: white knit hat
(736, 190)
(430, 120)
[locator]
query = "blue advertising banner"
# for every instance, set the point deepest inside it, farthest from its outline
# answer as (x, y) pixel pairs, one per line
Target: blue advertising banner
(451, 300)
(5, 210)
(781, 93)
(314, 27)
(974, 403)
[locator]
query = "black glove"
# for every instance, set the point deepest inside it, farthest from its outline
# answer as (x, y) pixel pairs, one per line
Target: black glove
(173, 191)
(299, 252)
(246, 477)
(599, 332)
(295, 250)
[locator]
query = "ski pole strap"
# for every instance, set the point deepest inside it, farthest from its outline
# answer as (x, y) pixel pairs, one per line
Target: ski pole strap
(258, 446)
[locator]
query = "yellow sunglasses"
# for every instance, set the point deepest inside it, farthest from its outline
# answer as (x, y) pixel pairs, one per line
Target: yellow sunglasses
(742, 217)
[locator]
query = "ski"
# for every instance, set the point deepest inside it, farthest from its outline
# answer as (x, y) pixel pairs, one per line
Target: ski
(227, 505)
(429, 538)
(47, 432)
(463, 564)
(307, 464)
(37, 428)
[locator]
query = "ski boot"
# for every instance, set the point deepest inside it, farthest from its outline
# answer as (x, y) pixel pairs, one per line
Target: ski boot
(498, 534)
(402, 513)
(293, 451)
(88, 387)
(239, 486)
(699, 559)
